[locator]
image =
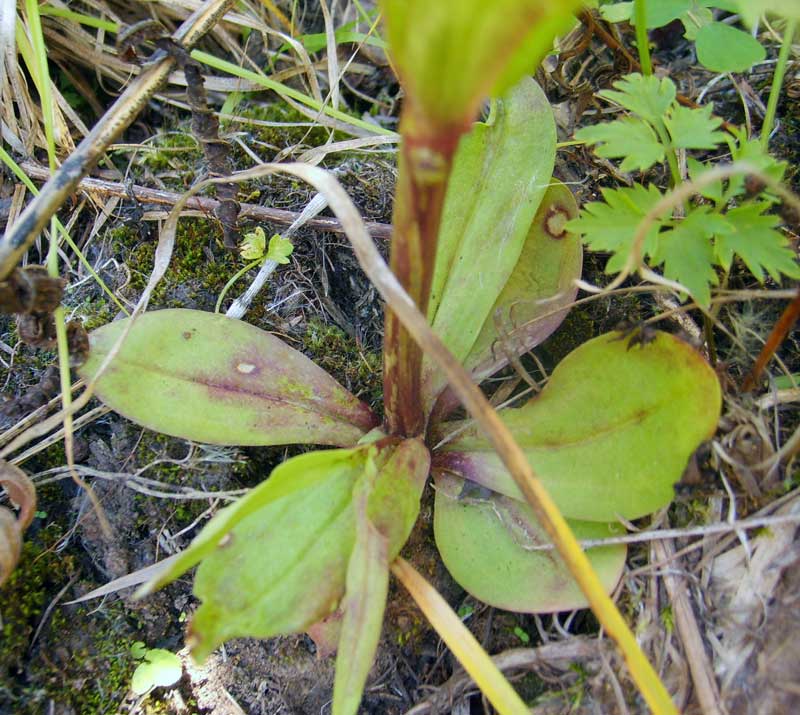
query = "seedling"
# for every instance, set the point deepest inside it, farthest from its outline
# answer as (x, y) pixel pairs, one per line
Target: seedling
(481, 248)
(158, 668)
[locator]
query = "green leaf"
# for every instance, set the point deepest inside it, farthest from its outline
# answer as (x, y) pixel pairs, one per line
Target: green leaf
(695, 18)
(657, 12)
(647, 97)
(687, 253)
(722, 48)
(628, 137)
(485, 541)
(753, 152)
(712, 192)
(448, 62)
(253, 245)
(363, 606)
(500, 175)
(275, 562)
(694, 128)
(617, 12)
(611, 226)
(542, 282)
(159, 669)
(213, 379)
(751, 235)
(280, 249)
(611, 432)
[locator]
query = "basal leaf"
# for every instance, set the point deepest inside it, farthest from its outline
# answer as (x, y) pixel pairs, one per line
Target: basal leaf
(500, 174)
(722, 48)
(694, 128)
(752, 235)
(448, 62)
(611, 225)
(687, 252)
(542, 282)
(275, 562)
(648, 97)
(289, 482)
(363, 606)
(611, 432)
(486, 540)
(213, 379)
(628, 137)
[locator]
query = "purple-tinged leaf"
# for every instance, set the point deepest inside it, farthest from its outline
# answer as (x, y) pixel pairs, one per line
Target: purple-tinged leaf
(213, 379)
(363, 606)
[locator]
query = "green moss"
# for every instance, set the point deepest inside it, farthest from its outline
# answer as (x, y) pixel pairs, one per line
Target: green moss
(26, 594)
(358, 370)
(196, 274)
(81, 661)
(282, 136)
(173, 156)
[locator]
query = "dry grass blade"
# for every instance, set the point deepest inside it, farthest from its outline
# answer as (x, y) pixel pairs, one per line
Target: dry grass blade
(122, 113)
(21, 491)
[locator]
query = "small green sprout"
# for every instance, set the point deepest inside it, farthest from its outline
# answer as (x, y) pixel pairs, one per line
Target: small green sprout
(522, 635)
(158, 668)
(254, 247)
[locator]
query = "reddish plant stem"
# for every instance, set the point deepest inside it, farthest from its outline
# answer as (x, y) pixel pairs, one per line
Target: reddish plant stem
(424, 168)
(776, 337)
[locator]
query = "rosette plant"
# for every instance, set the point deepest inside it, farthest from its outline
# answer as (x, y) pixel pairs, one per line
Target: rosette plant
(480, 249)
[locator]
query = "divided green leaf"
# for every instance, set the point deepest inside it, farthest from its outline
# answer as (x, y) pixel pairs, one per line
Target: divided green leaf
(688, 255)
(648, 97)
(611, 225)
(752, 234)
(628, 137)
(694, 128)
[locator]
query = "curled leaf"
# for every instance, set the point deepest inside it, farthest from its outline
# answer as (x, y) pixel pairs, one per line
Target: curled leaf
(448, 62)
(22, 493)
(213, 379)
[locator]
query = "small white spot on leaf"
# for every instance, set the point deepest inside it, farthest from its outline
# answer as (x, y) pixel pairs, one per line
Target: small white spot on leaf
(245, 367)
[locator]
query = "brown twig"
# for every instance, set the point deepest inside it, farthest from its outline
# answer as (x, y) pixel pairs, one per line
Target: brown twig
(776, 337)
(586, 17)
(206, 205)
(705, 683)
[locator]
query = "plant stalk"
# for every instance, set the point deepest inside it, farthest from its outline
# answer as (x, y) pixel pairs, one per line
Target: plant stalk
(642, 41)
(424, 169)
(777, 82)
